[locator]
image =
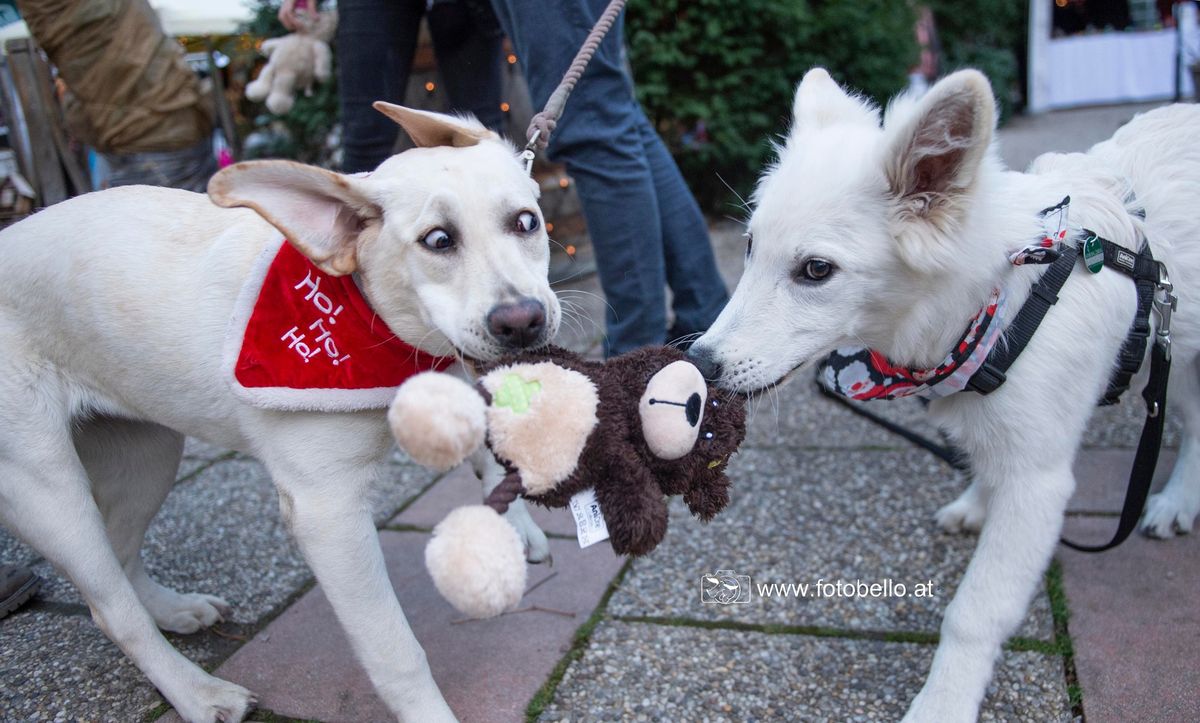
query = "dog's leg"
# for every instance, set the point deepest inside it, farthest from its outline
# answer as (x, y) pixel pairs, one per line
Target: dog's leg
(965, 514)
(49, 505)
(1026, 502)
(1017, 540)
(323, 493)
(537, 548)
(132, 466)
(1175, 508)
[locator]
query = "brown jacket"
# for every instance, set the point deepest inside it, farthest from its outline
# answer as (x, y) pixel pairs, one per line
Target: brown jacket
(130, 90)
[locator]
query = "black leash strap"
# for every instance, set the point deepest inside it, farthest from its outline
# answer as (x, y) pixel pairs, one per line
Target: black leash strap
(1144, 463)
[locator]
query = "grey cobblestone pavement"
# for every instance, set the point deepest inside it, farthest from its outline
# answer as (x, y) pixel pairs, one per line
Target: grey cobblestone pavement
(818, 493)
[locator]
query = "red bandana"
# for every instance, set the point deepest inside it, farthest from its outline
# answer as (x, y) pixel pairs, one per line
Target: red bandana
(308, 340)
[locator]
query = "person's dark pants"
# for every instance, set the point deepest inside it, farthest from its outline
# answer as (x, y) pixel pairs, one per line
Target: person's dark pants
(187, 168)
(376, 40)
(645, 225)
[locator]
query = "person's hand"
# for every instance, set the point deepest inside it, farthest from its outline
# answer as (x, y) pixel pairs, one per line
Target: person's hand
(287, 15)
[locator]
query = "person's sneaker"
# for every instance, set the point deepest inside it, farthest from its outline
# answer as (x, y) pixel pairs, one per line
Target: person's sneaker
(17, 585)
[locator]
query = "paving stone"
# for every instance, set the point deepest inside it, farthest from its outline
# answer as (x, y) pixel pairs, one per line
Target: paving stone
(1134, 625)
(460, 487)
(61, 667)
(801, 516)
(1024, 138)
(665, 673)
(1102, 477)
(1120, 425)
(301, 665)
(797, 415)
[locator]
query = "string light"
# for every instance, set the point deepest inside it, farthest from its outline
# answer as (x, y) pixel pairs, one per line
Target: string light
(504, 107)
(430, 86)
(564, 182)
(570, 249)
(549, 227)
(512, 59)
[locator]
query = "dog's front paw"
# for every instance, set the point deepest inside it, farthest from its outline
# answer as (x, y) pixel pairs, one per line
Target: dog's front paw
(931, 708)
(217, 701)
(537, 547)
(1166, 516)
(187, 613)
(965, 514)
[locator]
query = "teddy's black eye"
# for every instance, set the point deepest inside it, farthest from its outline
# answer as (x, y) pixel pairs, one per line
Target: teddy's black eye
(815, 270)
(708, 435)
(527, 221)
(438, 240)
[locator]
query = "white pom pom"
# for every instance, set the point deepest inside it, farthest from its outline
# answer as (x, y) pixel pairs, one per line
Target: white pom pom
(477, 561)
(438, 419)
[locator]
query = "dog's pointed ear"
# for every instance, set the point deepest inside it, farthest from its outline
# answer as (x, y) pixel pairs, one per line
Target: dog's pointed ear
(435, 129)
(319, 211)
(821, 102)
(937, 151)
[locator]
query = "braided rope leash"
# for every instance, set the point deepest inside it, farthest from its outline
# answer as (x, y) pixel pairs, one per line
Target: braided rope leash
(544, 122)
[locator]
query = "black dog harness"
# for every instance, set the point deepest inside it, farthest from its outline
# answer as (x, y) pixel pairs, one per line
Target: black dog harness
(1153, 294)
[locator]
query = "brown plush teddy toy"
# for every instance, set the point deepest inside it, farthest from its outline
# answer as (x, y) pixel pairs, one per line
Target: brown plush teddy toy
(634, 430)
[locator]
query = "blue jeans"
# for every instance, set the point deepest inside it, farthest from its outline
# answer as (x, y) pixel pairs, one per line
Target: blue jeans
(646, 227)
(376, 40)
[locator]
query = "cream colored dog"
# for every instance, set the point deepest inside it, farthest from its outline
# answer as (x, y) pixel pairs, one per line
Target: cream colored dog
(113, 311)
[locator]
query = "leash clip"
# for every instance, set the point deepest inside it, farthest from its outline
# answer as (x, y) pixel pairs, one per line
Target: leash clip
(1165, 303)
(529, 154)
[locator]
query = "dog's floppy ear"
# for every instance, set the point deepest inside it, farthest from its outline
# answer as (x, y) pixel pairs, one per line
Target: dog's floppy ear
(937, 150)
(821, 102)
(320, 212)
(435, 129)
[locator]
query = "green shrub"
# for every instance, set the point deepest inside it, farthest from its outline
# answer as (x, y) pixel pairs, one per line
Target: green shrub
(986, 34)
(732, 68)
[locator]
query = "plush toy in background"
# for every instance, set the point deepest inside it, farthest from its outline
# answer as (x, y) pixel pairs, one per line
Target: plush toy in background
(295, 61)
(631, 431)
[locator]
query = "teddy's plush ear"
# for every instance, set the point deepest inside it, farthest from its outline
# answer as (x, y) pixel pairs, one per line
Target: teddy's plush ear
(937, 151)
(319, 211)
(435, 129)
(821, 102)
(438, 419)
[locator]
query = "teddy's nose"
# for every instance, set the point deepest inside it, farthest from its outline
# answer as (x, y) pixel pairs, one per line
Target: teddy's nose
(519, 324)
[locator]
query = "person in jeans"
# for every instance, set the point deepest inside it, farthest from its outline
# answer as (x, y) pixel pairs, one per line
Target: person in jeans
(376, 40)
(646, 227)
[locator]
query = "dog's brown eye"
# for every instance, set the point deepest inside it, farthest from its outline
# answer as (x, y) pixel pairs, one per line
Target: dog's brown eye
(816, 270)
(527, 221)
(438, 240)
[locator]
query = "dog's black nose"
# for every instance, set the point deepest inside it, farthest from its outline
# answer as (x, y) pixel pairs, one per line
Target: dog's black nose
(706, 362)
(519, 324)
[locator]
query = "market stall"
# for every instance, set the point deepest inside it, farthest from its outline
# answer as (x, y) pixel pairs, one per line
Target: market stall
(1084, 52)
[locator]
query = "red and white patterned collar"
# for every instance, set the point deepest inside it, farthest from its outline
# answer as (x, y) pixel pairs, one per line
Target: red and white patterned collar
(865, 374)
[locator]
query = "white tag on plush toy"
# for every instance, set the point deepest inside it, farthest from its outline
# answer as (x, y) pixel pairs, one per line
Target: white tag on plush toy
(589, 520)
